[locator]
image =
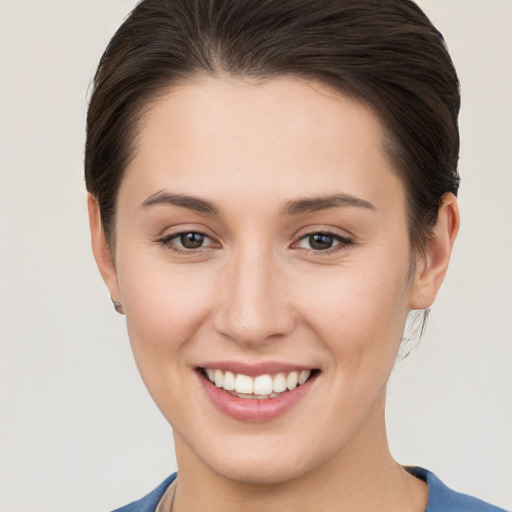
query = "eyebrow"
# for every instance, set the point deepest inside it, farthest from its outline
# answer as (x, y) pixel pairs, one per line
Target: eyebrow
(315, 204)
(184, 201)
(297, 207)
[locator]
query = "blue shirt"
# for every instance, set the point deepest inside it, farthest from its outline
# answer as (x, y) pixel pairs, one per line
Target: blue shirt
(440, 499)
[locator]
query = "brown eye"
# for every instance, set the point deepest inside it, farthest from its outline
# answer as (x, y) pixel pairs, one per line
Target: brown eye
(188, 242)
(321, 241)
(192, 240)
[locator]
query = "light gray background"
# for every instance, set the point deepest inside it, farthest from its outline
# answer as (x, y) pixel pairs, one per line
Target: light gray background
(78, 431)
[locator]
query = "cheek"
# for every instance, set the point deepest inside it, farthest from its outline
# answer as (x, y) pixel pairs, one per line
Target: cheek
(165, 307)
(359, 312)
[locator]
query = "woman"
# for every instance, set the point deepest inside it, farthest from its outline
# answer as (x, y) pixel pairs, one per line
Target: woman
(272, 191)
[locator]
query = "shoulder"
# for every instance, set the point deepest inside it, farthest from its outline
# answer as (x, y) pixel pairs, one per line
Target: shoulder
(149, 502)
(443, 499)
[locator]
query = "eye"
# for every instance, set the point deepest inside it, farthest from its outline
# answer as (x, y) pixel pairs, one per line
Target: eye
(191, 240)
(323, 242)
(187, 241)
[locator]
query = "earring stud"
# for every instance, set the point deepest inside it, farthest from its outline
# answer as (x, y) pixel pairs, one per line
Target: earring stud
(117, 306)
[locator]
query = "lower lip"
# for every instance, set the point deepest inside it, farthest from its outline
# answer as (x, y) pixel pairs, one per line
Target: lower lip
(254, 410)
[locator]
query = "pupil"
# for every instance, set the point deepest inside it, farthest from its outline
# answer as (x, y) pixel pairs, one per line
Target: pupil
(320, 241)
(192, 240)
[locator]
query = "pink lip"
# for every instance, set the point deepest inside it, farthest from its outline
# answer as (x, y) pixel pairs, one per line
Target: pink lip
(253, 370)
(254, 410)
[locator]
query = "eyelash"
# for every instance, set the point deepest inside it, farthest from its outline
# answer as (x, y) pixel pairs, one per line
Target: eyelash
(341, 242)
(167, 242)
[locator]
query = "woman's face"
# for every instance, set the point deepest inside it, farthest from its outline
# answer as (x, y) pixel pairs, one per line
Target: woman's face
(261, 231)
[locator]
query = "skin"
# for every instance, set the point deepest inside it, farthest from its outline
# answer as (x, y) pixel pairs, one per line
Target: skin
(257, 291)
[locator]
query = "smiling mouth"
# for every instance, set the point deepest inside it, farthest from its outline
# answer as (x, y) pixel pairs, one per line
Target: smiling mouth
(260, 387)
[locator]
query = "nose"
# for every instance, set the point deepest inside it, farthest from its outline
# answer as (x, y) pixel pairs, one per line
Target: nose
(254, 308)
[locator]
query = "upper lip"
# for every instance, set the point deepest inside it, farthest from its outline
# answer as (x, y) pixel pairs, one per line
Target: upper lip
(254, 369)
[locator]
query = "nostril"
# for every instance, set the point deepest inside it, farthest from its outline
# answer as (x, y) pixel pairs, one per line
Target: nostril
(253, 328)
(253, 307)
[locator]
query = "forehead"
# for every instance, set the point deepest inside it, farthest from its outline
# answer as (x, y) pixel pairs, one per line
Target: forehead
(218, 134)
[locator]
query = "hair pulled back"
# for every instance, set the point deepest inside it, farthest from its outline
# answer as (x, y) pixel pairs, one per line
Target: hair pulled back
(385, 52)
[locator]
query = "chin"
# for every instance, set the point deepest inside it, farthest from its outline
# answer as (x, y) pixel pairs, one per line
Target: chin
(272, 471)
(255, 461)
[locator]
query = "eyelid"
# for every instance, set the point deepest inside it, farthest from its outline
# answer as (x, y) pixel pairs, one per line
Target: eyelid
(342, 241)
(327, 229)
(167, 241)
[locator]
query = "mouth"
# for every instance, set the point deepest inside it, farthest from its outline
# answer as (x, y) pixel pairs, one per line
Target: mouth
(266, 386)
(258, 392)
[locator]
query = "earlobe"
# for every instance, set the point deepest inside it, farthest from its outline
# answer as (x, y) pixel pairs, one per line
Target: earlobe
(431, 266)
(101, 249)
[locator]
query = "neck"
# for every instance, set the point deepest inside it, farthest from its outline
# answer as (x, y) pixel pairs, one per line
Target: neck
(360, 477)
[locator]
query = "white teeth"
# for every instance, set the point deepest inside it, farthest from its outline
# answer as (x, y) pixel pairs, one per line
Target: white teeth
(262, 386)
(279, 384)
(292, 380)
(219, 378)
(304, 376)
(229, 381)
(244, 384)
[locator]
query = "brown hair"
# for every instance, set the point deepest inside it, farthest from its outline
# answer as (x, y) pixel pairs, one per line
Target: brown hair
(386, 52)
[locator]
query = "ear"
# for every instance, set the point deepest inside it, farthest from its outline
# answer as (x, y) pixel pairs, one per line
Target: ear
(101, 249)
(431, 266)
